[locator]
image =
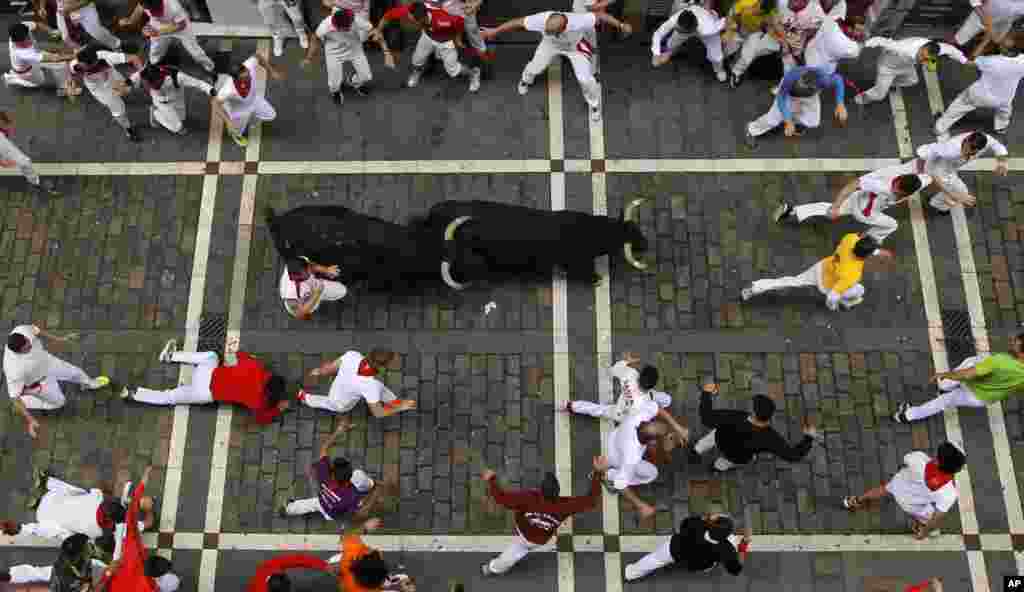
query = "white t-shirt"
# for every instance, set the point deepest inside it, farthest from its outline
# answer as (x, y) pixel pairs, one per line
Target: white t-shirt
(1000, 76)
(631, 392)
(22, 370)
(344, 44)
(75, 513)
(912, 494)
(568, 40)
(24, 58)
(168, 90)
(708, 24)
(102, 80)
(234, 103)
(830, 44)
(173, 14)
(879, 185)
(944, 158)
(624, 448)
(348, 386)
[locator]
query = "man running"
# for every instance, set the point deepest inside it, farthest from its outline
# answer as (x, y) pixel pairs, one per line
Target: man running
(356, 380)
(702, 543)
(237, 101)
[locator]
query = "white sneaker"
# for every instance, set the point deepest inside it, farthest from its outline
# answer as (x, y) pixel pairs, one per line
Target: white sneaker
(474, 80)
(595, 114)
(523, 88)
(859, 98)
(775, 89)
(98, 383)
(126, 394)
(747, 293)
(169, 348)
(848, 304)
(721, 75)
(278, 46)
(414, 79)
(304, 40)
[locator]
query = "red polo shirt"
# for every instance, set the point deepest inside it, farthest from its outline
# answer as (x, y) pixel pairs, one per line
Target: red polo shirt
(244, 384)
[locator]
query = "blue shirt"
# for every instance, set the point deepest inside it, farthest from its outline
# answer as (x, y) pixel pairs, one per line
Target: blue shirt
(822, 80)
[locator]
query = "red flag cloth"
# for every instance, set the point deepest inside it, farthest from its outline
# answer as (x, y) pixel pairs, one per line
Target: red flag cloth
(258, 583)
(130, 575)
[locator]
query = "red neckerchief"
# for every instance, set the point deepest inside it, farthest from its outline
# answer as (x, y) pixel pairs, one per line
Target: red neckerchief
(934, 477)
(26, 44)
(164, 71)
(365, 369)
(104, 521)
(7, 131)
(157, 12)
(248, 88)
(924, 586)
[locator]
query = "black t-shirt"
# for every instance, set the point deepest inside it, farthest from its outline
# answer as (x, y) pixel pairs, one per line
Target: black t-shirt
(739, 440)
(691, 549)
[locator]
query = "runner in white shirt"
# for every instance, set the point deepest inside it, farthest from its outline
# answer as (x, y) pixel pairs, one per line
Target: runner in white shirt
(834, 41)
(166, 86)
(924, 488)
(167, 22)
(634, 385)
(865, 199)
(282, 16)
(942, 160)
(342, 35)
(242, 97)
(692, 21)
(34, 374)
(898, 62)
(19, 575)
(993, 17)
(994, 89)
(12, 157)
(355, 381)
(563, 36)
(96, 68)
(83, 13)
(303, 288)
(32, 67)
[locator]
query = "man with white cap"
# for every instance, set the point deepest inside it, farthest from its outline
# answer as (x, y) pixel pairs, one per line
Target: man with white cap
(356, 380)
(994, 89)
(865, 199)
(897, 64)
(32, 67)
(942, 161)
(34, 374)
(702, 543)
(564, 34)
(691, 21)
(166, 22)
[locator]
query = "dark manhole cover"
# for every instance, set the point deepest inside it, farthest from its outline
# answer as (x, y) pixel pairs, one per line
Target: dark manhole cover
(956, 324)
(213, 331)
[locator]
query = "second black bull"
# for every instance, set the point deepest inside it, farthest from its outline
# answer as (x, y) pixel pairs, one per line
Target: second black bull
(458, 242)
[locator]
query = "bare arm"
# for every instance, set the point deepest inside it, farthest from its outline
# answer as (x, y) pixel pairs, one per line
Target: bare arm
(683, 433)
(72, 6)
(381, 410)
(65, 338)
(31, 423)
(965, 374)
(512, 25)
(271, 70)
(134, 19)
(325, 368)
(604, 17)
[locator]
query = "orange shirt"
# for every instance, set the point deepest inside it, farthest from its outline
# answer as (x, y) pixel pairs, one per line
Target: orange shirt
(352, 550)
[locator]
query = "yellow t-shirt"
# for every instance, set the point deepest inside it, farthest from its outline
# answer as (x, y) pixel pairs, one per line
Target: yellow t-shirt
(843, 269)
(749, 15)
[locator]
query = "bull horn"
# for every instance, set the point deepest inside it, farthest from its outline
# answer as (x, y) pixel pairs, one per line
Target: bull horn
(449, 231)
(627, 248)
(446, 275)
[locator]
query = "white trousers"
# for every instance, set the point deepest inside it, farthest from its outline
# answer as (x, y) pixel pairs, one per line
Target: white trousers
(89, 19)
(170, 111)
(657, 559)
(880, 225)
(582, 66)
(704, 445)
(811, 277)
(50, 396)
(712, 46)
(512, 555)
(951, 394)
(754, 46)
(972, 25)
(339, 400)
(887, 77)
(158, 47)
(282, 18)
(263, 111)
(643, 473)
(9, 151)
(53, 75)
(104, 93)
(445, 52)
(360, 480)
(593, 409)
(336, 69)
(29, 574)
(971, 98)
(806, 112)
(196, 392)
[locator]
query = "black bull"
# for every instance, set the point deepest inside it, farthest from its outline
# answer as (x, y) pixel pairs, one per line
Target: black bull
(459, 242)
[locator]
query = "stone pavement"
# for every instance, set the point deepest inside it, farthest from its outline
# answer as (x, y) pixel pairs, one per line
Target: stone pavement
(177, 247)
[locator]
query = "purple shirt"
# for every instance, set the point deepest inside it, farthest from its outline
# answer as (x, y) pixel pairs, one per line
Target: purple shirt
(336, 498)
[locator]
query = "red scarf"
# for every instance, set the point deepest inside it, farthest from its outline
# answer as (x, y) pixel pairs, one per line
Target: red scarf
(102, 520)
(26, 44)
(365, 369)
(243, 87)
(934, 477)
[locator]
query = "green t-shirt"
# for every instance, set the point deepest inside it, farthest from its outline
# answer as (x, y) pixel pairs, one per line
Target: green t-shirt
(999, 376)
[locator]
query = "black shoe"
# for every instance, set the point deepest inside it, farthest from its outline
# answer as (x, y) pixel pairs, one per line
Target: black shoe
(133, 134)
(750, 139)
(692, 456)
(901, 414)
(361, 89)
(282, 512)
(735, 79)
(336, 97)
(782, 212)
